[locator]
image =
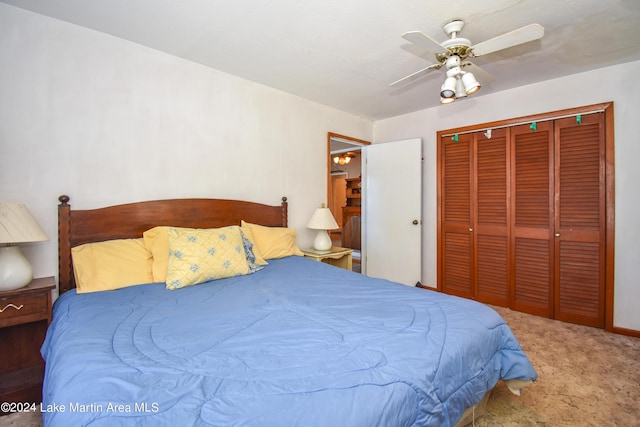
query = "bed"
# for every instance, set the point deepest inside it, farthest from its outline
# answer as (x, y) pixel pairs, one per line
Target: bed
(294, 342)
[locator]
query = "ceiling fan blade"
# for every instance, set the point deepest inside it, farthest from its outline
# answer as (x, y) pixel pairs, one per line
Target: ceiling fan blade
(421, 39)
(480, 74)
(415, 75)
(513, 38)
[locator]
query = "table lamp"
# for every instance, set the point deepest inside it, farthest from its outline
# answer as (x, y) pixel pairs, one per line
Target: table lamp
(16, 226)
(322, 220)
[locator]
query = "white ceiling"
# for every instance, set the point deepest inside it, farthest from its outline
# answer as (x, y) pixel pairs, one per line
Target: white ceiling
(344, 53)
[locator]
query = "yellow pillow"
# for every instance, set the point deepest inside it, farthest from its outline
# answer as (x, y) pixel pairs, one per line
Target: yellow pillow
(157, 242)
(256, 251)
(273, 242)
(112, 264)
(200, 255)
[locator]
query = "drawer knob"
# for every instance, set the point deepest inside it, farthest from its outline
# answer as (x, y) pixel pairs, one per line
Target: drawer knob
(12, 306)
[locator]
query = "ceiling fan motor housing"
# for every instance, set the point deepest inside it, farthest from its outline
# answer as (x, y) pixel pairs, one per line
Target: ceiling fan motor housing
(455, 45)
(453, 28)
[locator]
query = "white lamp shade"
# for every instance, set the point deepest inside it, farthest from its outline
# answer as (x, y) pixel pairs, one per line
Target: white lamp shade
(322, 219)
(18, 226)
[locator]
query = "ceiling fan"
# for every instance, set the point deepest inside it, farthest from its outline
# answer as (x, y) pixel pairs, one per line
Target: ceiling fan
(453, 53)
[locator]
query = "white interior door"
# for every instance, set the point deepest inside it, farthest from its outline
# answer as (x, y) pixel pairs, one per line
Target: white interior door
(392, 211)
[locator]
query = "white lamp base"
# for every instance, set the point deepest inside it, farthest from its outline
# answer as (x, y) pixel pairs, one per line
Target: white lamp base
(15, 270)
(322, 242)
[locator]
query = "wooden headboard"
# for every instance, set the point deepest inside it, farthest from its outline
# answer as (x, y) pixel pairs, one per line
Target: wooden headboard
(129, 221)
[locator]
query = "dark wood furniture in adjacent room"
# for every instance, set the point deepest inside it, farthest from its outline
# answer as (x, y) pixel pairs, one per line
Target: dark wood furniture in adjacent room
(351, 213)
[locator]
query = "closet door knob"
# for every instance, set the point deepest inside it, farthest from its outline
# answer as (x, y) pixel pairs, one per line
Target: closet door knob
(470, 229)
(557, 234)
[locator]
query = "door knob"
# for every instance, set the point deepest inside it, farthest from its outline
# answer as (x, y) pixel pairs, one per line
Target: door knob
(470, 229)
(415, 222)
(557, 234)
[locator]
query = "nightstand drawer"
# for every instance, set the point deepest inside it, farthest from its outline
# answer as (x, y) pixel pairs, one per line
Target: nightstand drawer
(18, 307)
(26, 312)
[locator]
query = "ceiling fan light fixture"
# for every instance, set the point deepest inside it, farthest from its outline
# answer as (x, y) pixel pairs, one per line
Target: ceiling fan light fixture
(454, 52)
(460, 90)
(448, 89)
(471, 85)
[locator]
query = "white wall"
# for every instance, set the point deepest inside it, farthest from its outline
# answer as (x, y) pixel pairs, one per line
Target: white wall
(607, 84)
(107, 121)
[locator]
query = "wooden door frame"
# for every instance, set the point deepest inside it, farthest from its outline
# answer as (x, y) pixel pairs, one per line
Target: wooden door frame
(607, 109)
(347, 138)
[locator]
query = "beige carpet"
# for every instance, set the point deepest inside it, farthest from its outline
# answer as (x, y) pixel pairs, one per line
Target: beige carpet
(587, 377)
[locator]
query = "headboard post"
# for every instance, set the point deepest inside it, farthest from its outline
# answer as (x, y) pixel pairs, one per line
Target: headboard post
(64, 245)
(285, 210)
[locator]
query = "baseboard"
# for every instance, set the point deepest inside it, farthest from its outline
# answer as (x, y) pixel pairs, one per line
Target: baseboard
(625, 331)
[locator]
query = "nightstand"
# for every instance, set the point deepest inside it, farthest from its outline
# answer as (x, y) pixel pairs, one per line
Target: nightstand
(24, 318)
(336, 256)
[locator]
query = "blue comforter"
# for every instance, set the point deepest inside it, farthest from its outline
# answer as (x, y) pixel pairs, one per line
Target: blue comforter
(299, 343)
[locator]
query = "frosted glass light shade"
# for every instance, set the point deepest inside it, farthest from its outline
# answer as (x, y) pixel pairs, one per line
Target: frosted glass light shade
(15, 270)
(448, 89)
(471, 85)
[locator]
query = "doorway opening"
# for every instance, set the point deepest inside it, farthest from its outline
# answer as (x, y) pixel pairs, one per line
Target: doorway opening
(345, 190)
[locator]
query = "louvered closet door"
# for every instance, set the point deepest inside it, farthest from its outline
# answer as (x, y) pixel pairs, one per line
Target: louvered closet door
(532, 183)
(491, 217)
(580, 220)
(456, 276)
